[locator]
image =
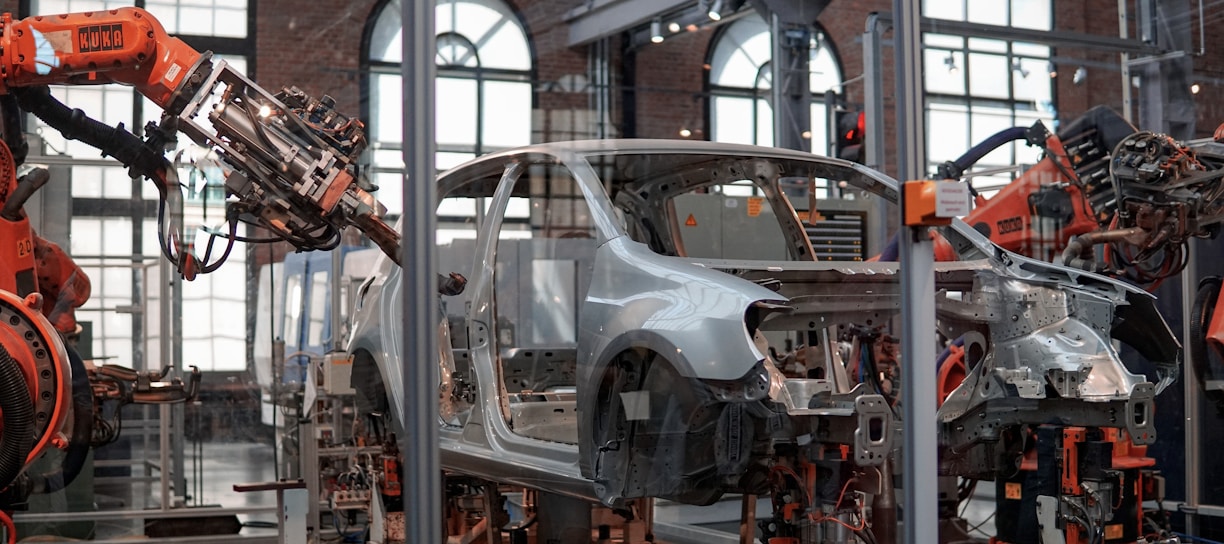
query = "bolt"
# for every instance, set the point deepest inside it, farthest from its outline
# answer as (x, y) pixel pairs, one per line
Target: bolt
(1015, 317)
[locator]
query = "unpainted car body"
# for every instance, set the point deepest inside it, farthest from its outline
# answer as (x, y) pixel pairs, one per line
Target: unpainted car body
(625, 352)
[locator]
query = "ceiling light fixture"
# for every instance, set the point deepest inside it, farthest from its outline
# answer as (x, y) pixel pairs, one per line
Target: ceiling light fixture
(1195, 88)
(673, 27)
(950, 62)
(715, 12)
(656, 30)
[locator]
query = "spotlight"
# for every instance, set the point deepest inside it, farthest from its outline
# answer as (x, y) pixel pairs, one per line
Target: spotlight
(950, 62)
(673, 27)
(1081, 74)
(685, 132)
(1195, 88)
(715, 12)
(656, 31)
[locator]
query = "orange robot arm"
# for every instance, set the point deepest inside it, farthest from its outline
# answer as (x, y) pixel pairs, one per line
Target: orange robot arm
(126, 45)
(64, 286)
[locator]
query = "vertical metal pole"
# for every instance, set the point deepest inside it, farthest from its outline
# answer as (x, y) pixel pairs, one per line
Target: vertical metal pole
(919, 448)
(873, 93)
(166, 349)
(1124, 32)
(178, 438)
(422, 476)
(1190, 393)
(873, 109)
(163, 441)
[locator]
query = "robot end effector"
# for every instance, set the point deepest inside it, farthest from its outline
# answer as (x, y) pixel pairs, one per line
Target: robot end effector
(290, 160)
(293, 160)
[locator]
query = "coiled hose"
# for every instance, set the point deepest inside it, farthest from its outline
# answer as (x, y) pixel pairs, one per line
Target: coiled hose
(18, 435)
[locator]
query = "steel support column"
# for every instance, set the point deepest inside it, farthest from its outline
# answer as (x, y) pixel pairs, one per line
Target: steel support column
(1190, 391)
(919, 448)
(422, 475)
(791, 89)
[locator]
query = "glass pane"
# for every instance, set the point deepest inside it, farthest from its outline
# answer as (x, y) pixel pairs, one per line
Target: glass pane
(764, 123)
(825, 74)
(446, 161)
(986, 122)
(506, 126)
(988, 75)
(991, 12)
(820, 129)
(990, 46)
(390, 191)
(741, 50)
(1030, 49)
(731, 120)
(491, 26)
(951, 139)
(318, 308)
(943, 71)
(943, 40)
(386, 105)
(944, 9)
(1034, 14)
(456, 116)
(1032, 82)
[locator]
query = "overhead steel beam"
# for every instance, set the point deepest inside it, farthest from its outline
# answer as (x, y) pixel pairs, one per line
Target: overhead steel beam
(799, 12)
(604, 18)
(1055, 38)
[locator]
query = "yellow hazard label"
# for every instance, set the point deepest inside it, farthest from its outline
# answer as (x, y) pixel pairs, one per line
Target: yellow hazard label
(1011, 491)
(754, 205)
(691, 221)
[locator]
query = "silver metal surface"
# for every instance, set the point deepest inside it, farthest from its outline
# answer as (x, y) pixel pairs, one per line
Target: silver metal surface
(693, 310)
(422, 476)
(920, 451)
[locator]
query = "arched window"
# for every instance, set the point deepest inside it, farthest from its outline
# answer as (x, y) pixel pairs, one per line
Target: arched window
(740, 79)
(483, 92)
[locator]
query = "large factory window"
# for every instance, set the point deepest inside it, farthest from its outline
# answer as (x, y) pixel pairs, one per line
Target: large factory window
(483, 90)
(740, 80)
(976, 87)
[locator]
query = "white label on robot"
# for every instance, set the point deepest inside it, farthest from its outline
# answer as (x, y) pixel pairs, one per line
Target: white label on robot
(173, 72)
(951, 199)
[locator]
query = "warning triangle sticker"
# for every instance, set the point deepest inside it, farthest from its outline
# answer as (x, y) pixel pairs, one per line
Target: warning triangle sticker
(691, 221)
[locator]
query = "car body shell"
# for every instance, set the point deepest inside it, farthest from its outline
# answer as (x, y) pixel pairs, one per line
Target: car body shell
(692, 313)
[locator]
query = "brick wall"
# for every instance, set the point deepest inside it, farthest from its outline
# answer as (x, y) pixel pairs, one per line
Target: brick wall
(313, 45)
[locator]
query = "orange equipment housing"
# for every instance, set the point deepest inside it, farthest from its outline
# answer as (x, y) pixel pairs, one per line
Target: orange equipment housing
(125, 45)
